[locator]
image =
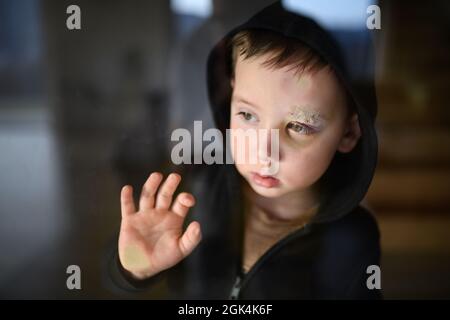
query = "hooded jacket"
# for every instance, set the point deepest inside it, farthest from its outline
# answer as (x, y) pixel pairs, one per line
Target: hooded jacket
(326, 259)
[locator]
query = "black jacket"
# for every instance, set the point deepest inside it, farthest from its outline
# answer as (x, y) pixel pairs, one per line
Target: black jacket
(327, 259)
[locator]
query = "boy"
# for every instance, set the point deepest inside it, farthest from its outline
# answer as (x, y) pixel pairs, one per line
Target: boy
(298, 232)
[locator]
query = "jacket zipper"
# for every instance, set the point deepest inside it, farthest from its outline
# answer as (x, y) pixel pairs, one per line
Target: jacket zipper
(241, 279)
(234, 295)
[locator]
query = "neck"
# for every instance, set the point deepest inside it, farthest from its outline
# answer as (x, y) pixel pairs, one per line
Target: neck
(294, 206)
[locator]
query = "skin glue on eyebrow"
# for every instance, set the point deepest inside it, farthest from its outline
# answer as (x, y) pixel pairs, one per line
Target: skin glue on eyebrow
(303, 115)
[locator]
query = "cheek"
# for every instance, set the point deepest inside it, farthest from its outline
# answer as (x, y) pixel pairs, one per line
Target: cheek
(304, 166)
(234, 125)
(243, 150)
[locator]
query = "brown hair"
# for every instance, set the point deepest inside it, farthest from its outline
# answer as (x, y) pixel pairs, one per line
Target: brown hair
(284, 51)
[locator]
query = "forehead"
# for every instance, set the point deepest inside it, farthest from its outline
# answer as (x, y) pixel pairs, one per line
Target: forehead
(283, 88)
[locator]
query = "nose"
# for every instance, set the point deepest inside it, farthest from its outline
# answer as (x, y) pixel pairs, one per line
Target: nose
(264, 145)
(268, 146)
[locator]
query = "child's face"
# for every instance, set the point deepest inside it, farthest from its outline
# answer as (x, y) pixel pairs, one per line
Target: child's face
(310, 113)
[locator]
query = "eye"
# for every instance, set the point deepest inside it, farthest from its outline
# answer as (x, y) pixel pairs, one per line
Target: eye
(247, 116)
(300, 128)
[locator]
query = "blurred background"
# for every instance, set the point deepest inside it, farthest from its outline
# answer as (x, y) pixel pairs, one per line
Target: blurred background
(83, 112)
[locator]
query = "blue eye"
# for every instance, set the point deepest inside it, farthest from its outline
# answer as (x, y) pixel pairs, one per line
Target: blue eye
(300, 128)
(247, 116)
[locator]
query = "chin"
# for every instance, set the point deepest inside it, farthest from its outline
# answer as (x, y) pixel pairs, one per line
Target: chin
(268, 193)
(274, 192)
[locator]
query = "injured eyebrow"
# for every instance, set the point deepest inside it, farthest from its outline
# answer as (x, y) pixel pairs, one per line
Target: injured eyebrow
(304, 115)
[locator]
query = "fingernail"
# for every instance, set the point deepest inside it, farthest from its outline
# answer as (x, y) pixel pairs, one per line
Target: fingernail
(197, 231)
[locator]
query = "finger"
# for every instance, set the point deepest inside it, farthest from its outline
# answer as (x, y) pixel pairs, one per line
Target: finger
(182, 203)
(190, 239)
(126, 201)
(165, 193)
(147, 200)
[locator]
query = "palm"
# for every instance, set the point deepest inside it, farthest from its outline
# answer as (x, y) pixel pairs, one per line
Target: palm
(152, 239)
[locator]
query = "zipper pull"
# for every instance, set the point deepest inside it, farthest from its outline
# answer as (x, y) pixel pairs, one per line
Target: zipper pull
(234, 295)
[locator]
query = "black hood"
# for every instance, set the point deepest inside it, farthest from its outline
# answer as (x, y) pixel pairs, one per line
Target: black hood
(347, 179)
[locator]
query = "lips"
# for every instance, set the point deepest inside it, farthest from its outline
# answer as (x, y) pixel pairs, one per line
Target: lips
(265, 181)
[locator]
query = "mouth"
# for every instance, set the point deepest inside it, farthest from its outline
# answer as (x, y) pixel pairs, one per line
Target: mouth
(265, 181)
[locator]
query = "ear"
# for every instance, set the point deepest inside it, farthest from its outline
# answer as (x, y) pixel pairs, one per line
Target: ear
(351, 135)
(232, 82)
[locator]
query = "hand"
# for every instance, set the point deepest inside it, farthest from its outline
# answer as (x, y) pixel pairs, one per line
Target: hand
(151, 239)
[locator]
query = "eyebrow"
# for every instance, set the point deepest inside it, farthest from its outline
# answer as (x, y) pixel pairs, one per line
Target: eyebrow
(305, 114)
(238, 98)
